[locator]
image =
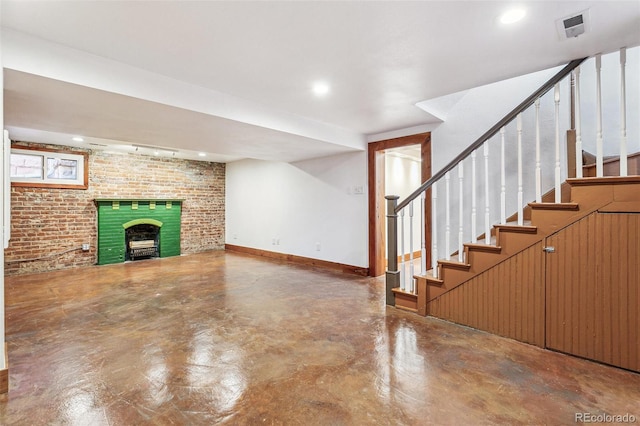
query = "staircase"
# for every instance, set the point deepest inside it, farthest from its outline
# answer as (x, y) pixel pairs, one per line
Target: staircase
(512, 280)
(588, 195)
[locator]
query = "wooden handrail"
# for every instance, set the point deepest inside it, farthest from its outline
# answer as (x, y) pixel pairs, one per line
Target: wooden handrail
(492, 131)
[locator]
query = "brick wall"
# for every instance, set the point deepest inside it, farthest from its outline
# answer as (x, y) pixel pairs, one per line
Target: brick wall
(47, 222)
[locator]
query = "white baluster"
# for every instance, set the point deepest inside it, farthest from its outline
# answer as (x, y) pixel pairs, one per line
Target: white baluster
(402, 269)
(599, 143)
(538, 167)
(447, 226)
(578, 125)
(520, 194)
(487, 225)
(556, 99)
(423, 239)
(434, 232)
(474, 229)
(461, 210)
(411, 271)
(623, 113)
(503, 185)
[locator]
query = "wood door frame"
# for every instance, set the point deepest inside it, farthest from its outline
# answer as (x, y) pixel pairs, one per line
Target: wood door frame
(377, 205)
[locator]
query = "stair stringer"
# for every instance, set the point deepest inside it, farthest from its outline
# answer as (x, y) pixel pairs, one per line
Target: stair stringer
(587, 195)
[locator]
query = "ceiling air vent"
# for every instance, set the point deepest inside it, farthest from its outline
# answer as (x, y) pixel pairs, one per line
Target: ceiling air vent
(574, 25)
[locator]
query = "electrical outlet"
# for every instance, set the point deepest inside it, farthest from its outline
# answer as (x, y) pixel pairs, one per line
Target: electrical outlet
(358, 190)
(85, 247)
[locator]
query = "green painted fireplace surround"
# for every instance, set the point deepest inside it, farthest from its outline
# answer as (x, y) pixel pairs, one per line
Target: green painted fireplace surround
(116, 215)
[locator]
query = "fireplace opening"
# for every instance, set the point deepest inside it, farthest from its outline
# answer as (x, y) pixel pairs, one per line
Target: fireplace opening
(142, 242)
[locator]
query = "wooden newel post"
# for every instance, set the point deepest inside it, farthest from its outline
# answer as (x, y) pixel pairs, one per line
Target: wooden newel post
(392, 276)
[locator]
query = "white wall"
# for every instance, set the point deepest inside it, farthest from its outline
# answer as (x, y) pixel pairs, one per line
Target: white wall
(300, 205)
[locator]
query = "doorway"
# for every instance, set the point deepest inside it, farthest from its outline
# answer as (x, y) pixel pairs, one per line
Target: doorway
(377, 158)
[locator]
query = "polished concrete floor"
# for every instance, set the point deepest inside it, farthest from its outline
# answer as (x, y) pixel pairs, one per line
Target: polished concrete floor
(232, 339)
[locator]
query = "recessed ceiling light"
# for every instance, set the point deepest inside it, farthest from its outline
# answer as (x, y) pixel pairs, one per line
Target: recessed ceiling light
(156, 152)
(77, 139)
(512, 16)
(202, 154)
(320, 88)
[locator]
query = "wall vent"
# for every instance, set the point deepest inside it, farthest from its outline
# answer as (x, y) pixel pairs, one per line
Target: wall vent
(573, 25)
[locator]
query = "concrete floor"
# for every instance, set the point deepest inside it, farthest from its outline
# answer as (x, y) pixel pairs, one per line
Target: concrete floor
(232, 339)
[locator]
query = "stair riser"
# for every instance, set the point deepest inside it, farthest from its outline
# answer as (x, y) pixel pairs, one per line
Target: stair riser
(626, 192)
(550, 221)
(481, 261)
(407, 302)
(515, 242)
(591, 197)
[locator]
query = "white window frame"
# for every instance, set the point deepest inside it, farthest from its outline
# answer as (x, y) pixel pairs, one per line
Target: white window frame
(81, 159)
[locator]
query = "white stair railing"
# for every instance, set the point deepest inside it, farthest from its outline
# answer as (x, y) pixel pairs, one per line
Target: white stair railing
(434, 233)
(503, 179)
(403, 272)
(423, 237)
(487, 209)
(520, 204)
(579, 163)
(538, 164)
(447, 227)
(557, 175)
(460, 210)
(623, 113)
(474, 201)
(411, 287)
(517, 122)
(599, 141)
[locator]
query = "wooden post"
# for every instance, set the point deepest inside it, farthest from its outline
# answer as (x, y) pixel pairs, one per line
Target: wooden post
(392, 275)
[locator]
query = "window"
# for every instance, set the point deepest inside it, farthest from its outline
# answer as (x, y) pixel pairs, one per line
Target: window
(45, 168)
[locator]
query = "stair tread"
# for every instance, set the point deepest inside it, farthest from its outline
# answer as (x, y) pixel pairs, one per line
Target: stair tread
(514, 227)
(428, 276)
(481, 245)
(399, 290)
(606, 180)
(554, 206)
(454, 264)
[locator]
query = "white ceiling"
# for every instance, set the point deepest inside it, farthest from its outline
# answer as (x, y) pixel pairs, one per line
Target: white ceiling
(233, 79)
